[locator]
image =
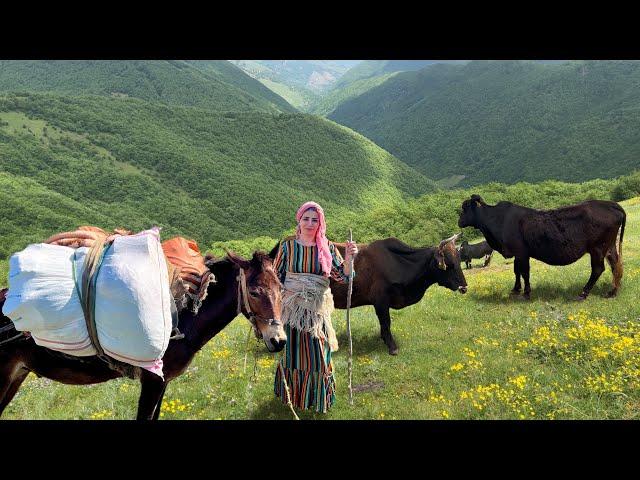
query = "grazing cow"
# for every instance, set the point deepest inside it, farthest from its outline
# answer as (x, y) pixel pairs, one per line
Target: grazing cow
(391, 274)
(555, 237)
(477, 250)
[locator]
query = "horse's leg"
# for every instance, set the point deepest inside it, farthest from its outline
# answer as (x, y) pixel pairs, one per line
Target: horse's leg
(516, 270)
(382, 311)
(151, 392)
(10, 371)
(14, 386)
(597, 267)
(159, 404)
(616, 268)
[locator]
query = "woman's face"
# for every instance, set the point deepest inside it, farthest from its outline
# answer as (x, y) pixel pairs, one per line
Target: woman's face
(309, 223)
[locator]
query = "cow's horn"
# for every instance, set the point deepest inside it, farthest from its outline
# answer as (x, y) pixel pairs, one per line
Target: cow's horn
(450, 239)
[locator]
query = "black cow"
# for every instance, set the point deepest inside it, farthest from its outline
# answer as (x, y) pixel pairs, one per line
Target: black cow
(477, 250)
(556, 237)
(391, 274)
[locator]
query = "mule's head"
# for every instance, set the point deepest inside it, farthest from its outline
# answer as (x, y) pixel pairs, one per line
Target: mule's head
(469, 212)
(447, 262)
(260, 298)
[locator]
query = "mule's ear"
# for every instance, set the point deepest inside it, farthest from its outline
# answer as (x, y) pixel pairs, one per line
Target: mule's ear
(238, 260)
(209, 259)
(260, 259)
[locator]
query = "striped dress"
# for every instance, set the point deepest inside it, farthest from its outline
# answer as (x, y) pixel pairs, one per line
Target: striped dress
(306, 360)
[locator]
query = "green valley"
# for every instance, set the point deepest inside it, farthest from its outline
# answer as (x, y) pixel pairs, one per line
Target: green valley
(506, 121)
(207, 175)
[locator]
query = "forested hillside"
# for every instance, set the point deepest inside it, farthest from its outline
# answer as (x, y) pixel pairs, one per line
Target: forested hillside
(326, 104)
(211, 176)
(364, 76)
(215, 85)
(237, 77)
(375, 68)
(506, 121)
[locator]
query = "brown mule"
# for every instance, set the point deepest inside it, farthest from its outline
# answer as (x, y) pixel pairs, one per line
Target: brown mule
(259, 300)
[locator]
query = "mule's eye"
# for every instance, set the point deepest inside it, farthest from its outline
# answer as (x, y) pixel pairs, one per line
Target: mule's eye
(254, 293)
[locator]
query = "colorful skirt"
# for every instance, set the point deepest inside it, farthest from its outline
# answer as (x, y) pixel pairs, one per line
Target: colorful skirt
(307, 365)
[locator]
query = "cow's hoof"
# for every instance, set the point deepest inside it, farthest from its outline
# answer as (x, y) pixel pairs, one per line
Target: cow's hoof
(514, 292)
(611, 294)
(526, 296)
(582, 297)
(393, 351)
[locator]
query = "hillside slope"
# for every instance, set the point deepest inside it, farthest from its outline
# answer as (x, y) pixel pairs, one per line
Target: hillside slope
(326, 104)
(211, 176)
(506, 121)
(220, 87)
(237, 77)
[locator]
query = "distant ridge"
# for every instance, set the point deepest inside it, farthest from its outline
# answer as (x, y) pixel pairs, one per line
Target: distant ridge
(373, 68)
(217, 85)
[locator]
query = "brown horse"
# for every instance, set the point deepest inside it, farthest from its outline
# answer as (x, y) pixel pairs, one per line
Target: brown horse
(259, 299)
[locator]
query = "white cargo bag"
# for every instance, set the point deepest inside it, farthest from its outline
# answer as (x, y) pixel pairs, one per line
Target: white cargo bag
(132, 309)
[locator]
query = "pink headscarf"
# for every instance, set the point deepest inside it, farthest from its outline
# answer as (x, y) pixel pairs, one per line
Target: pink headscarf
(324, 254)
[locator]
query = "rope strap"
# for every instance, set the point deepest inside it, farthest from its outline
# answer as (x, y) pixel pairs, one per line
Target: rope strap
(87, 294)
(92, 264)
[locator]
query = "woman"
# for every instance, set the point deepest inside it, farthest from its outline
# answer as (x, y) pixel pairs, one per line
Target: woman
(305, 263)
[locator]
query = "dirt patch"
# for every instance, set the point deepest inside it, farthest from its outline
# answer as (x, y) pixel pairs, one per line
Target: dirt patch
(368, 386)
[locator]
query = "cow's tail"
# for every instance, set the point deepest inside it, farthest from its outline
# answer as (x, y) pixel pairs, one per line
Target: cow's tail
(617, 271)
(624, 221)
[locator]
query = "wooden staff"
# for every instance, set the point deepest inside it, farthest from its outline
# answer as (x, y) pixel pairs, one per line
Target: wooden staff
(350, 361)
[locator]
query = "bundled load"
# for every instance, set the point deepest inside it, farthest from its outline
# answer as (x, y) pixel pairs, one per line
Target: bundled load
(125, 294)
(188, 275)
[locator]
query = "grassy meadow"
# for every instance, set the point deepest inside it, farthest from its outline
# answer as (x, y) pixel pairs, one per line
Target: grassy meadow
(483, 355)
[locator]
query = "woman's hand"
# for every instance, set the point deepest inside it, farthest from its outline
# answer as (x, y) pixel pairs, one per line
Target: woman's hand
(351, 250)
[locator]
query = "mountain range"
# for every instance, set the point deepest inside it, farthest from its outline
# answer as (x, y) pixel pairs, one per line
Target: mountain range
(506, 121)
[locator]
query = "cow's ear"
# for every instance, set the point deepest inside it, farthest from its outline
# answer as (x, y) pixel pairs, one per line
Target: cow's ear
(477, 200)
(439, 258)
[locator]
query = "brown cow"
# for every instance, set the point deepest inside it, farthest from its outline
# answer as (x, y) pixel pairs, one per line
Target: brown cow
(391, 274)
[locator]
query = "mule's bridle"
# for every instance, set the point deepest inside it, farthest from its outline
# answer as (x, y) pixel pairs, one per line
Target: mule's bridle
(243, 301)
